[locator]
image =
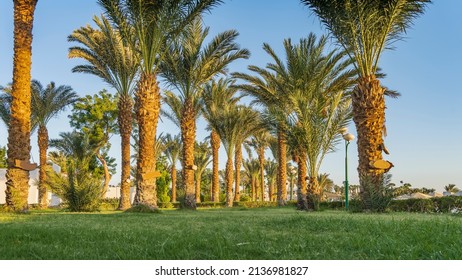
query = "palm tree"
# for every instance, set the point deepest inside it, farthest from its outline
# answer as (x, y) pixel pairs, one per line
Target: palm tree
(228, 128)
(17, 179)
(451, 188)
(46, 104)
(271, 168)
(172, 151)
(216, 96)
(364, 28)
(110, 58)
(149, 27)
(260, 141)
(202, 158)
(187, 68)
(252, 169)
(265, 87)
(321, 106)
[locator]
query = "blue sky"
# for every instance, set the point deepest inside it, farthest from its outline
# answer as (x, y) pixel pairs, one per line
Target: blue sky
(424, 124)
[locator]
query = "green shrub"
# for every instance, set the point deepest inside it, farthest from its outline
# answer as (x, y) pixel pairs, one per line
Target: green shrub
(143, 208)
(448, 204)
(109, 204)
(80, 190)
(255, 204)
(376, 196)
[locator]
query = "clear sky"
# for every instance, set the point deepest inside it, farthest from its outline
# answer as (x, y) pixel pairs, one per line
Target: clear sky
(424, 124)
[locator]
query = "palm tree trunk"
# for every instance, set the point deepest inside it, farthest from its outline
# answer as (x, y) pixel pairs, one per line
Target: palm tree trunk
(302, 202)
(271, 191)
(229, 181)
(198, 187)
(173, 174)
(261, 158)
(107, 175)
(125, 127)
(17, 180)
(215, 143)
(43, 147)
(147, 107)
(368, 103)
(237, 167)
(282, 168)
(188, 136)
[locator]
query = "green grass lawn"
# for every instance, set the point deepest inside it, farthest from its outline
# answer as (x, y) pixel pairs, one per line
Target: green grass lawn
(270, 233)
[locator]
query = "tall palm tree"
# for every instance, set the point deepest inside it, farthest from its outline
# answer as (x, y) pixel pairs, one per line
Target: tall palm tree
(172, 151)
(47, 103)
(267, 89)
(151, 25)
(260, 142)
(252, 169)
(188, 66)
(271, 168)
(202, 158)
(365, 28)
(110, 58)
(17, 179)
(228, 128)
(216, 96)
(316, 83)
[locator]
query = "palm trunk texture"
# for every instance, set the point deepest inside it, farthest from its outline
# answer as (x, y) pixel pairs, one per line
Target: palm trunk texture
(125, 126)
(229, 181)
(198, 187)
(368, 103)
(215, 143)
(43, 147)
(237, 167)
(282, 169)
(17, 180)
(188, 136)
(147, 106)
(302, 201)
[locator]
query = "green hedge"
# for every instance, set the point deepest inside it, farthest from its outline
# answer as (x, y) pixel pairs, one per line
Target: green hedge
(447, 204)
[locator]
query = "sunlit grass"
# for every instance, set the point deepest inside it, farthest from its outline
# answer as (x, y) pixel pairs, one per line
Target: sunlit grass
(229, 234)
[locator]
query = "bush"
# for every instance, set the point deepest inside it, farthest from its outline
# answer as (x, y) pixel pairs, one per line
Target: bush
(109, 204)
(79, 190)
(143, 208)
(448, 204)
(255, 204)
(376, 196)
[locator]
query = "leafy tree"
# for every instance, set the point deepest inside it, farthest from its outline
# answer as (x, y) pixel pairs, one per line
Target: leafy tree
(96, 116)
(365, 28)
(149, 27)
(17, 179)
(189, 65)
(111, 58)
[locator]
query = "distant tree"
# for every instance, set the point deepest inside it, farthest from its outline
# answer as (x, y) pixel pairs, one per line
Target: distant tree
(451, 188)
(96, 116)
(202, 158)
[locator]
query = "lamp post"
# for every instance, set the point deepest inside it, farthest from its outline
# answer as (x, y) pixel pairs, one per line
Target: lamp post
(347, 137)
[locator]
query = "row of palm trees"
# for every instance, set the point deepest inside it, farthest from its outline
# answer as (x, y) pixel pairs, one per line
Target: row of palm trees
(305, 98)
